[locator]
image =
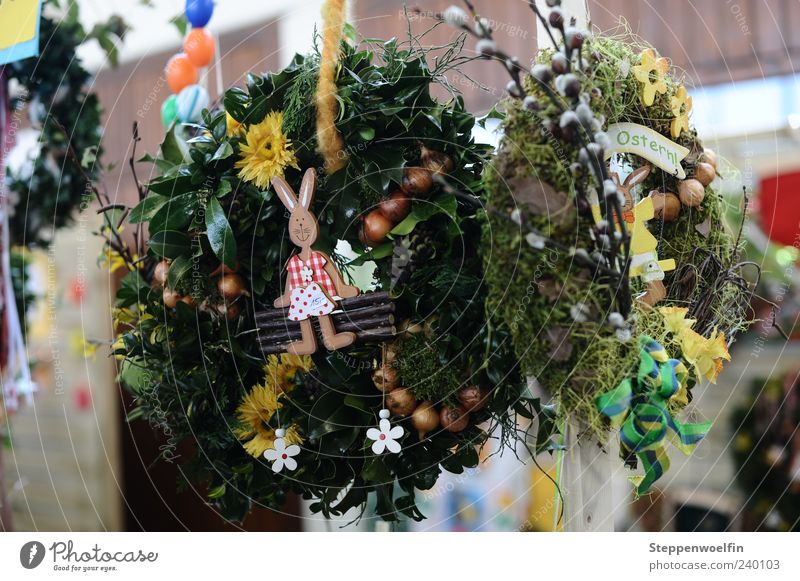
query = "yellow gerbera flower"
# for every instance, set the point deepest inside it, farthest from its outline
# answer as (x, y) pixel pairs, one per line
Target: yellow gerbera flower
(650, 72)
(280, 371)
(675, 319)
(266, 153)
(680, 105)
(254, 412)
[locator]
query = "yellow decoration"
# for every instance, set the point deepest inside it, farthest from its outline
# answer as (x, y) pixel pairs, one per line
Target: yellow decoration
(111, 260)
(644, 259)
(267, 152)
(233, 126)
(19, 23)
(650, 72)
(329, 140)
(705, 355)
(675, 319)
(261, 403)
(680, 105)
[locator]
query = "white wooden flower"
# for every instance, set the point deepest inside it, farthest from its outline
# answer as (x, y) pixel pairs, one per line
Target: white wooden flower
(280, 454)
(307, 274)
(385, 435)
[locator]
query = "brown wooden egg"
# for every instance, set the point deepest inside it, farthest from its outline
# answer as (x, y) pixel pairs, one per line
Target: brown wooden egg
(691, 192)
(396, 207)
(376, 227)
(385, 378)
(705, 173)
(400, 401)
(425, 418)
(160, 274)
(170, 297)
(473, 398)
(709, 156)
(454, 419)
(417, 181)
(667, 205)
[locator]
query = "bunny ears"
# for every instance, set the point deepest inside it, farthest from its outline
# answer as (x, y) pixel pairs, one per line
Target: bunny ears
(287, 195)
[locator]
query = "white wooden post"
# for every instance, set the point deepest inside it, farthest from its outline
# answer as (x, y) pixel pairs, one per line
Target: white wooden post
(586, 469)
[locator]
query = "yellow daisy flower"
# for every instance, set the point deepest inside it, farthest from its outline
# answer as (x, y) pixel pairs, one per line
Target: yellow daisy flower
(266, 153)
(680, 104)
(675, 319)
(650, 72)
(254, 412)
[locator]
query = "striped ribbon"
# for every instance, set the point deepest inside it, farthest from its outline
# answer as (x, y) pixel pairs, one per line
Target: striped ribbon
(639, 407)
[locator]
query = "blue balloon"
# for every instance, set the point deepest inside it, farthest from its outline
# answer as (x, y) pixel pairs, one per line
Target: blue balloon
(198, 12)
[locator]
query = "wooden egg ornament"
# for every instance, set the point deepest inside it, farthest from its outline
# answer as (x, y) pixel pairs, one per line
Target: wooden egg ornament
(180, 73)
(160, 274)
(454, 419)
(169, 110)
(396, 207)
(401, 402)
(232, 286)
(691, 192)
(225, 269)
(435, 161)
(198, 12)
(385, 378)
(473, 398)
(667, 206)
(417, 181)
(705, 173)
(191, 102)
(425, 418)
(199, 47)
(709, 156)
(170, 298)
(375, 228)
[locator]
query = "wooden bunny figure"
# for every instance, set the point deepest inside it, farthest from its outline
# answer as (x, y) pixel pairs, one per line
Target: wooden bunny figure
(312, 281)
(644, 256)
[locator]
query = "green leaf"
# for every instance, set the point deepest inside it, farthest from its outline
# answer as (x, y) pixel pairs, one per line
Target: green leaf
(220, 234)
(146, 209)
(173, 148)
(179, 268)
(217, 492)
(179, 21)
(443, 203)
(223, 151)
(170, 244)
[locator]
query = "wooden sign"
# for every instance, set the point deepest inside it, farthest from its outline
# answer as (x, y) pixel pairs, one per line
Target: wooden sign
(644, 142)
(19, 29)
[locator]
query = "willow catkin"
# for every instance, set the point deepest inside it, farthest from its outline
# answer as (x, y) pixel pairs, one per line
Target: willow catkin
(329, 140)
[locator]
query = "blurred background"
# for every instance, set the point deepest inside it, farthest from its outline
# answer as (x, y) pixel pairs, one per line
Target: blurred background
(73, 462)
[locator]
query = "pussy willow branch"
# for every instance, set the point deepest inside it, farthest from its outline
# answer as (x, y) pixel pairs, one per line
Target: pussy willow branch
(610, 205)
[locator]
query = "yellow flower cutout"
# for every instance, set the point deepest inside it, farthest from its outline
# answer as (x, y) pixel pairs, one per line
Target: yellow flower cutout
(680, 105)
(111, 259)
(258, 406)
(650, 72)
(675, 319)
(705, 355)
(266, 153)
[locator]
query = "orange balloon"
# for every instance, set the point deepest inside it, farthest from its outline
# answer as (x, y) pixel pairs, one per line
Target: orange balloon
(180, 72)
(199, 47)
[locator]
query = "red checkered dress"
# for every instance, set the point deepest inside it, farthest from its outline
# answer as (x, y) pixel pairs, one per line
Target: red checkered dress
(312, 287)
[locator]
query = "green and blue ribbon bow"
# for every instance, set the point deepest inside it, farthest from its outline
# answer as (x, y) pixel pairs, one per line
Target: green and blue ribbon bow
(639, 407)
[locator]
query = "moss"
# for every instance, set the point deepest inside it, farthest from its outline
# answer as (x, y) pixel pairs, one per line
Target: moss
(533, 291)
(419, 368)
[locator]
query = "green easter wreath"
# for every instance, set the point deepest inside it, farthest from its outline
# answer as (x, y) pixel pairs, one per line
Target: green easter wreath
(217, 245)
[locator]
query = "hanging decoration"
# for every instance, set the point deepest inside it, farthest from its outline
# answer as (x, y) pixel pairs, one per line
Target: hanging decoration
(588, 260)
(183, 69)
(388, 381)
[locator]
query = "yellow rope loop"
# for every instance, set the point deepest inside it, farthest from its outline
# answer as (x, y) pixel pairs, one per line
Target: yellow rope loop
(329, 140)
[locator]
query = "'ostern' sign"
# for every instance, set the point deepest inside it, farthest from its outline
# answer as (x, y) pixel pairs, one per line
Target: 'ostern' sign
(644, 142)
(19, 29)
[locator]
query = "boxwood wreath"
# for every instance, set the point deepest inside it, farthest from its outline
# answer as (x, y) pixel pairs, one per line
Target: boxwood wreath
(612, 350)
(217, 246)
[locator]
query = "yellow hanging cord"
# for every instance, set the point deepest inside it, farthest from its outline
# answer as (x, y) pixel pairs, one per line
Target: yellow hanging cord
(329, 140)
